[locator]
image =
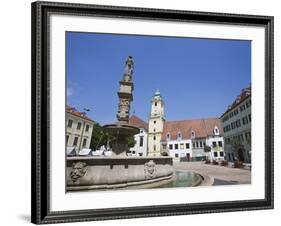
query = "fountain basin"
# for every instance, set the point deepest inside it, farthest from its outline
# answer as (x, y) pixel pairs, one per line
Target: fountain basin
(121, 130)
(87, 173)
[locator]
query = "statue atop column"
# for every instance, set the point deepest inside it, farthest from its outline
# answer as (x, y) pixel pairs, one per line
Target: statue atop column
(129, 69)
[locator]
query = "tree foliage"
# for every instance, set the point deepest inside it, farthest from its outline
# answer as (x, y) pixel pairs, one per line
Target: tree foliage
(131, 141)
(236, 143)
(99, 137)
(207, 148)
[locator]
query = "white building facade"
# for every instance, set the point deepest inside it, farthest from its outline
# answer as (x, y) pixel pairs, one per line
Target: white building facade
(183, 140)
(140, 148)
(237, 128)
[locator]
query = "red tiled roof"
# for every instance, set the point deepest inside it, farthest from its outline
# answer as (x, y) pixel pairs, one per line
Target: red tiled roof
(73, 111)
(245, 93)
(201, 128)
(137, 122)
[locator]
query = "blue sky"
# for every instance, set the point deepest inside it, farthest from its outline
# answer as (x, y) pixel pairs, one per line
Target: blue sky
(198, 78)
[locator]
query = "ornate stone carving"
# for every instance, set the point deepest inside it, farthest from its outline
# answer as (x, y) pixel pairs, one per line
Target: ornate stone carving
(123, 109)
(150, 169)
(78, 170)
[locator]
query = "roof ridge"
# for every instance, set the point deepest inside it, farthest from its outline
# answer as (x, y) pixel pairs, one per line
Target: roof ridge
(197, 119)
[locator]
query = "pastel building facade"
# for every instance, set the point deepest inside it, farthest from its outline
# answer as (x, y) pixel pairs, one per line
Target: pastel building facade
(79, 129)
(236, 121)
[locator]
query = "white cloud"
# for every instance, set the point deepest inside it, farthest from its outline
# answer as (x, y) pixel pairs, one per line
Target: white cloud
(69, 91)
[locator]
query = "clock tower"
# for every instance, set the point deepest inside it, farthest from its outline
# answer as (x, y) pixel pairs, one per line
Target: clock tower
(155, 125)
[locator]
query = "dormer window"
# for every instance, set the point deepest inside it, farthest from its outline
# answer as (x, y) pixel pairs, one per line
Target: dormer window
(168, 136)
(179, 136)
(192, 134)
(216, 130)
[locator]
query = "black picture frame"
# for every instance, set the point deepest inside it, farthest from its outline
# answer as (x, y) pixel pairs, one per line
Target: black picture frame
(40, 211)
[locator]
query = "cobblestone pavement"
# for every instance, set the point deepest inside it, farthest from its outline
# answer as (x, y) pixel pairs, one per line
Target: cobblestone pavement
(222, 175)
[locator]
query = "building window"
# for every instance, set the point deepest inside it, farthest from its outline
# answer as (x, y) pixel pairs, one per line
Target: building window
(168, 136)
(239, 122)
(155, 104)
(220, 144)
(75, 141)
(154, 130)
(84, 142)
(182, 146)
(170, 146)
(245, 120)
(214, 143)
(154, 122)
(215, 154)
(79, 125)
(69, 123)
(197, 144)
(216, 130)
(201, 145)
(241, 138)
(192, 134)
(154, 147)
(249, 117)
(176, 155)
(204, 144)
(242, 108)
(154, 137)
(187, 145)
(87, 128)
(141, 141)
(164, 146)
(67, 138)
(140, 154)
(193, 144)
(176, 146)
(221, 154)
(179, 136)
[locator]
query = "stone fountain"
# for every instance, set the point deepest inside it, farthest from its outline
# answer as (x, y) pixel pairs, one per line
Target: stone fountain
(119, 170)
(122, 130)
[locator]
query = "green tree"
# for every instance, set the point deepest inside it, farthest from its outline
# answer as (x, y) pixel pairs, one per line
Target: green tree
(236, 145)
(99, 137)
(207, 150)
(131, 141)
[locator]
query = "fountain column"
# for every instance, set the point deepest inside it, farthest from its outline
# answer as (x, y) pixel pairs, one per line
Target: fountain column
(121, 131)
